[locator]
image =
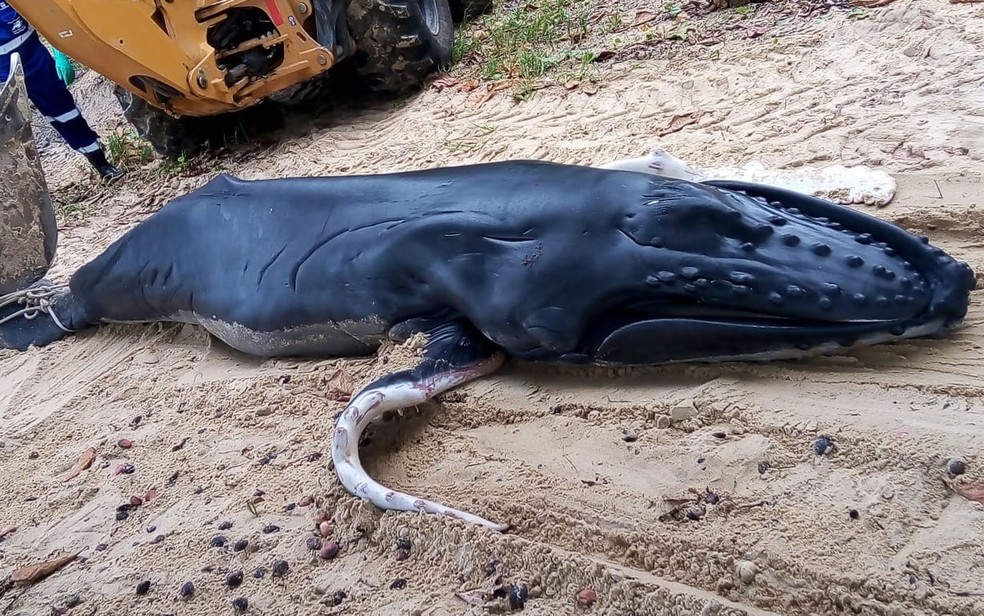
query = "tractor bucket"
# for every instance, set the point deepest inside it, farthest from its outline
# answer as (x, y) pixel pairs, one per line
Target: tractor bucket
(28, 230)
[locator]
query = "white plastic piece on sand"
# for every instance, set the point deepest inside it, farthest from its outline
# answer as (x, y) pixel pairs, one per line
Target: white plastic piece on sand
(837, 183)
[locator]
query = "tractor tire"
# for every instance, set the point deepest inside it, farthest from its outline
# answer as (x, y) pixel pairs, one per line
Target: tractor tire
(400, 42)
(170, 137)
(469, 9)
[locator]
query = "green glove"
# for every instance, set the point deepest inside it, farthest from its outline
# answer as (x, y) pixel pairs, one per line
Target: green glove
(66, 71)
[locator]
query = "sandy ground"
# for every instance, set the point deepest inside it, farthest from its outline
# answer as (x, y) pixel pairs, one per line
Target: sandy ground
(606, 477)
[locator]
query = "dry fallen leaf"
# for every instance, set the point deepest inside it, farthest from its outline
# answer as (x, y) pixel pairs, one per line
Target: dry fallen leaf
(589, 89)
(445, 82)
(677, 123)
(85, 461)
(971, 491)
(472, 597)
(341, 384)
(39, 571)
(468, 85)
(570, 85)
(643, 17)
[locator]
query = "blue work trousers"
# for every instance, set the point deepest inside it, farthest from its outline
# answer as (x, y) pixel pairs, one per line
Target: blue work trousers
(50, 95)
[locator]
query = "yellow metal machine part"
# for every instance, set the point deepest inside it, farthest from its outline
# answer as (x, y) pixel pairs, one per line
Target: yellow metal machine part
(160, 51)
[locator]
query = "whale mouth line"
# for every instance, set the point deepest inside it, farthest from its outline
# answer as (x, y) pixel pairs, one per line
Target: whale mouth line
(696, 312)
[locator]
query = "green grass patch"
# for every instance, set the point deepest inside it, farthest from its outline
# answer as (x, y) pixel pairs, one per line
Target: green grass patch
(127, 150)
(531, 42)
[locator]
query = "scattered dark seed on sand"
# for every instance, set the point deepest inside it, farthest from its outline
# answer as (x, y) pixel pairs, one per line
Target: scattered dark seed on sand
(712, 498)
(218, 541)
(694, 513)
(259, 493)
(854, 514)
(198, 490)
(492, 566)
(499, 593)
(403, 544)
(125, 468)
(157, 539)
(71, 601)
(187, 589)
(260, 573)
(101, 547)
(313, 543)
(264, 461)
(402, 554)
(290, 506)
(823, 445)
(33, 455)
(763, 467)
(629, 435)
(225, 525)
(122, 515)
(280, 568)
(240, 545)
(398, 584)
(151, 529)
(956, 466)
(314, 457)
(270, 528)
(339, 596)
(136, 420)
(518, 596)
(173, 477)
(143, 587)
(329, 550)
(586, 597)
(180, 445)
(240, 603)
(234, 578)
(720, 435)
(701, 460)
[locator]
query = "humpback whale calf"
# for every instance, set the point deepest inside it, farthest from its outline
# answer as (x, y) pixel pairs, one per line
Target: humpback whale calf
(538, 261)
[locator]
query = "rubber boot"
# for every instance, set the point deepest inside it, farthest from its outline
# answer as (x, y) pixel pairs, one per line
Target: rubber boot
(108, 172)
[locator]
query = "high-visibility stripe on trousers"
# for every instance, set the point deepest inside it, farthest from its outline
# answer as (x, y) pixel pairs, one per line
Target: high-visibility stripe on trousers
(50, 96)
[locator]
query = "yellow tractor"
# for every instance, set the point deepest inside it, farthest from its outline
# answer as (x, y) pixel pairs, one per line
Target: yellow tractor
(177, 64)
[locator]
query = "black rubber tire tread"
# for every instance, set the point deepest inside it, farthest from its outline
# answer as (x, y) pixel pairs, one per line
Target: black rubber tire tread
(470, 9)
(170, 137)
(396, 50)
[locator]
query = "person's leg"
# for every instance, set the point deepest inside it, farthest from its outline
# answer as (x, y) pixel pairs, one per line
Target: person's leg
(55, 102)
